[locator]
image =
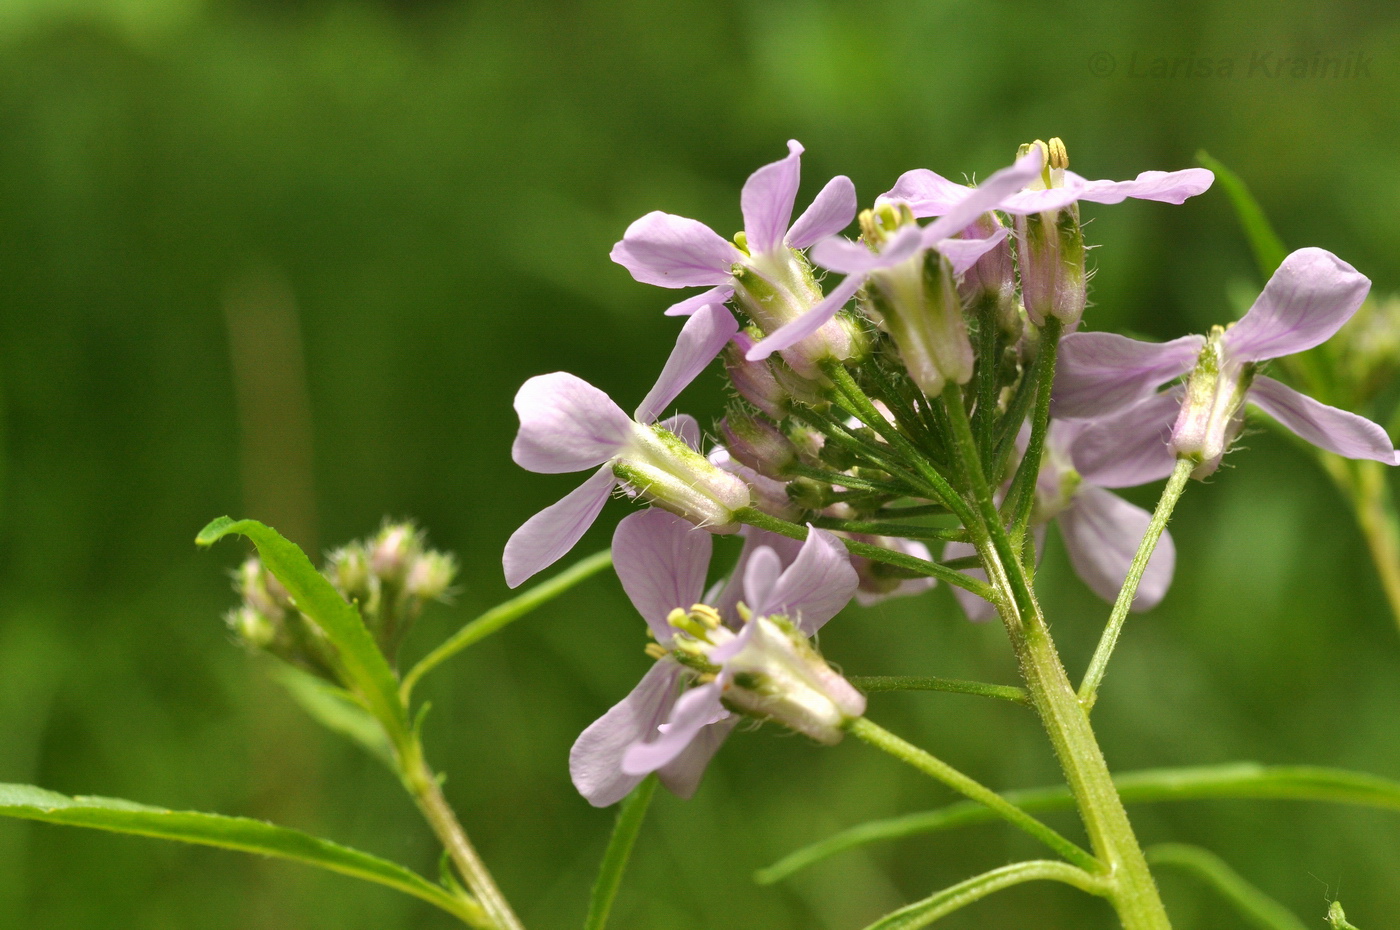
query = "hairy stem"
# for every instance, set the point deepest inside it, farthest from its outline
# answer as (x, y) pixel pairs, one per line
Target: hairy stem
(922, 913)
(874, 684)
(1098, 665)
(1133, 892)
(420, 781)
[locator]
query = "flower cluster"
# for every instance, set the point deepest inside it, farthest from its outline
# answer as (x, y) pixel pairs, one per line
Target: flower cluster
(939, 388)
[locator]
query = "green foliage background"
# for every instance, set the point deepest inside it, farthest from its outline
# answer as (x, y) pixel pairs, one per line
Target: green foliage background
(433, 186)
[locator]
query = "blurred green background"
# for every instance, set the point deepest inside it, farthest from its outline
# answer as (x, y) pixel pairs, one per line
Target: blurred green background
(290, 260)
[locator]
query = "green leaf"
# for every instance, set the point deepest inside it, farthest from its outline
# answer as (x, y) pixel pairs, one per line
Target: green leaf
(27, 802)
(941, 904)
(336, 709)
(1242, 780)
(1258, 909)
(1269, 250)
(366, 670)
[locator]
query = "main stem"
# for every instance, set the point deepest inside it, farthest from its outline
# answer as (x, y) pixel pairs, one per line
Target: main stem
(1132, 890)
(427, 792)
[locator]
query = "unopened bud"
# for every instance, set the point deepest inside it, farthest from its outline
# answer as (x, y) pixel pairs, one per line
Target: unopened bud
(777, 288)
(393, 550)
(261, 590)
(349, 570)
(767, 494)
(754, 381)
(256, 630)
(990, 284)
(430, 576)
(757, 443)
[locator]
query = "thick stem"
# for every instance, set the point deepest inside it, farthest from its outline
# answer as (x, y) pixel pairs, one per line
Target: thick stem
(1133, 892)
(1098, 666)
(936, 768)
(423, 785)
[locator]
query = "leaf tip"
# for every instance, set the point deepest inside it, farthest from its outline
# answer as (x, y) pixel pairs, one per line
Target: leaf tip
(217, 529)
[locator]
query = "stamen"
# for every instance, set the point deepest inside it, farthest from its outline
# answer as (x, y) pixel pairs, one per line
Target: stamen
(706, 615)
(656, 651)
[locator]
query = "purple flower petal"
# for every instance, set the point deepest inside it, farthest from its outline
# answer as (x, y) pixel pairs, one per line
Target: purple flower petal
(548, 536)
(1307, 300)
(926, 193)
(595, 761)
(715, 295)
(1101, 372)
(1339, 431)
(964, 253)
(789, 335)
(814, 588)
(1162, 186)
(682, 775)
(566, 424)
(1102, 533)
(1130, 447)
(694, 710)
(684, 426)
(988, 195)
(761, 573)
(661, 561)
(767, 200)
(847, 257)
(755, 540)
(831, 211)
(673, 251)
(701, 339)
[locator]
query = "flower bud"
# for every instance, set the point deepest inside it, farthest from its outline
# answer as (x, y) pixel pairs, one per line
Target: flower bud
(260, 590)
(774, 674)
(754, 381)
(659, 467)
(767, 495)
(255, 630)
(1212, 411)
(348, 569)
(757, 443)
(1050, 246)
(393, 550)
(430, 576)
(990, 284)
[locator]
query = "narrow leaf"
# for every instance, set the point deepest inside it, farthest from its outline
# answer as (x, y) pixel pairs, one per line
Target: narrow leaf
(27, 802)
(1257, 908)
(365, 667)
(1268, 248)
(1243, 780)
(336, 709)
(922, 913)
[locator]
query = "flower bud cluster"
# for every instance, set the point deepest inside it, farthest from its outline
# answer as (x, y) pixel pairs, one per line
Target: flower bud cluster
(390, 577)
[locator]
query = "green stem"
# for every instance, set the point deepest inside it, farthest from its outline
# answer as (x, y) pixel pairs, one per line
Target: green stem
(423, 785)
(765, 521)
(988, 361)
(1367, 488)
(922, 913)
(503, 614)
(1134, 894)
(1098, 665)
(939, 770)
(1021, 497)
(853, 482)
(1233, 781)
(624, 835)
(881, 528)
(867, 412)
(1258, 909)
(874, 684)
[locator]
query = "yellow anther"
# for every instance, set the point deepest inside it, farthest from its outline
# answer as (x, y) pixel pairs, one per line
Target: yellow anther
(706, 615)
(676, 618)
(1057, 156)
(741, 239)
(656, 651)
(869, 229)
(745, 613)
